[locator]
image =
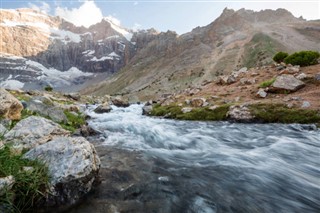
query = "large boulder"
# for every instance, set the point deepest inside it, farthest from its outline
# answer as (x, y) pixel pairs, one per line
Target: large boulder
(286, 83)
(33, 131)
(147, 109)
(103, 108)
(44, 106)
(119, 102)
(227, 79)
(240, 114)
(73, 166)
(10, 107)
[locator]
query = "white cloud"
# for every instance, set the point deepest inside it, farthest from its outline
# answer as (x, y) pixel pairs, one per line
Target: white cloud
(86, 15)
(42, 7)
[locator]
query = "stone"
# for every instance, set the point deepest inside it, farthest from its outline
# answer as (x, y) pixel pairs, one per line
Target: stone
(146, 110)
(1, 145)
(186, 110)
(73, 166)
(10, 107)
(119, 102)
(45, 107)
(286, 83)
(187, 101)
(197, 102)
(317, 77)
(3, 130)
(6, 183)
(302, 76)
(261, 93)
(104, 108)
(226, 79)
(240, 114)
(33, 131)
(305, 104)
(213, 107)
(28, 169)
(74, 96)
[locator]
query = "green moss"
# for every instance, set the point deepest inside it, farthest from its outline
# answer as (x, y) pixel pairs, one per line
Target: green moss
(74, 121)
(30, 186)
(279, 113)
(267, 83)
(201, 114)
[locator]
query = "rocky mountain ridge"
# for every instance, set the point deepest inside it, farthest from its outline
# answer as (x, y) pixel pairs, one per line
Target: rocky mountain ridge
(243, 38)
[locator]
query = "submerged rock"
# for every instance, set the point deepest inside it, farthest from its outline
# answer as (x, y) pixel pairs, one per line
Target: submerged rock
(10, 107)
(73, 166)
(33, 131)
(146, 110)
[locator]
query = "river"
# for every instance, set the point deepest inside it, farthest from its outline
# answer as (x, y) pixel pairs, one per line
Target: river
(159, 165)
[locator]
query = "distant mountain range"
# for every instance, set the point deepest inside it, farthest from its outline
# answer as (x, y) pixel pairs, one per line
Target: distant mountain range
(37, 50)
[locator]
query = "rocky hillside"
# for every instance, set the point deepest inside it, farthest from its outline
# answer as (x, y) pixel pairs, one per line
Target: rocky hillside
(166, 62)
(38, 49)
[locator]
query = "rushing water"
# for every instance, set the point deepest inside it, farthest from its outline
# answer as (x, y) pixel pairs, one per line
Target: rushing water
(221, 166)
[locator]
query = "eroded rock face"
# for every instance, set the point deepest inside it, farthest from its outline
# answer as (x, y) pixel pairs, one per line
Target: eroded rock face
(33, 131)
(286, 83)
(73, 165)
(10, 107)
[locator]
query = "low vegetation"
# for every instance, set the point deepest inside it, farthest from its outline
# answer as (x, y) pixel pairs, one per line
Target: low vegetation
(280, 56)
(30, 185)
(48, 88)
(75, 121)
(267, 83)
(203, 114)
(302, 58)
(279, 113)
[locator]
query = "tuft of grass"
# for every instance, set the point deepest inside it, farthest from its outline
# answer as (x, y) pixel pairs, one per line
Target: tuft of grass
(30, 187)
(267, 83)
(199, 114)
(24, 114)
(74, 121)
(279, 113)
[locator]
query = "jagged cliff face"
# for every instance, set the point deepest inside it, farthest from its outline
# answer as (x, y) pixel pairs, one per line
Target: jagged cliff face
(168, 62)
(36, 47)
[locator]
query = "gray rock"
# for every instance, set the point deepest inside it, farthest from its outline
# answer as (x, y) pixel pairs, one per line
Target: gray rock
(146, 110)
(227, 79)
(10, 107)
(240, 114)
(198, 102)
(261, 93)
(317, 77)
(73, 166)
(119, 102)
(104, 108)
(74, 96)
(44, 107)
(6, 183)
(33, 131)
(1, 145)
(286, 83)
(187, 101)
(3, 130)
(186, 109)
(305, 104)
(302, 76)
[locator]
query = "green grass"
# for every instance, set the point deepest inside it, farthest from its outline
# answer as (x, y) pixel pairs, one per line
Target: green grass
(74, 121)
(29, 188)
(279, 113)
(200, 114)
(267, 83)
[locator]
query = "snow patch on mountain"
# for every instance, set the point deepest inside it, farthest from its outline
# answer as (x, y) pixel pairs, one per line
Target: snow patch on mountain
(119, 29)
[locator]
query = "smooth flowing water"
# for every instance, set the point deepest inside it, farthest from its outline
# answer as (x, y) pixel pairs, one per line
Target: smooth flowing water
(217, 166)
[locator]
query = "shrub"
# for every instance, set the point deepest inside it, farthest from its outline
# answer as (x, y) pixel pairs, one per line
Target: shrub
(48, 88)
(267, 83)
(303, 58)
(280, 56)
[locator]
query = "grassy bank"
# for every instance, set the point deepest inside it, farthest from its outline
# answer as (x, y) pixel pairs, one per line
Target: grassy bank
(30, 184)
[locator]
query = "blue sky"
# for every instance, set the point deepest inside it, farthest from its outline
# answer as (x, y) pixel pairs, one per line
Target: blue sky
(177, 15)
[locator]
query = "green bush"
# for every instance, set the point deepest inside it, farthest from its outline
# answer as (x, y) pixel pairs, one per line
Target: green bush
(30, 187)
(267, 83)
(48, 88)
(280, 56)
(303, 58)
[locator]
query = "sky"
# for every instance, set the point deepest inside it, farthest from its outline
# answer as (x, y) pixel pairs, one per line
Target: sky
(176, 15)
